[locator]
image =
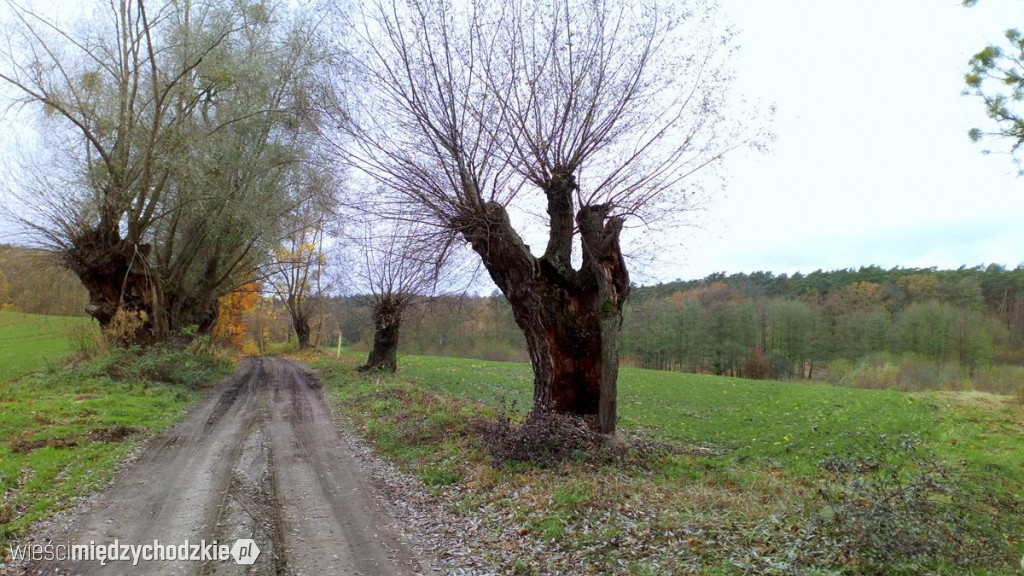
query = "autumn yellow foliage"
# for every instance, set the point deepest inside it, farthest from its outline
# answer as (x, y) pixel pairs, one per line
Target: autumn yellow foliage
(6, 303)
(231, 326)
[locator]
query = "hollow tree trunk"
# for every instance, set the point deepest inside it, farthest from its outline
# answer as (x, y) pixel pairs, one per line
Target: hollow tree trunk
(387, 323)
(571, 318)
(302, 332)
(206, 319)
(117, 276)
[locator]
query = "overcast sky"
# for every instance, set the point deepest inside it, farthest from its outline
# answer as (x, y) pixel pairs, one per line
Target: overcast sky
(872, 164)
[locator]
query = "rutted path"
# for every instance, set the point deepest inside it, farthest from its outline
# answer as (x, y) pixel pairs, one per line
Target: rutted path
(258, 458)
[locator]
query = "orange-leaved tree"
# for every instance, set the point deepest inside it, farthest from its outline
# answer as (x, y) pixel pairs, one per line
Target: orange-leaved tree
(231, 324)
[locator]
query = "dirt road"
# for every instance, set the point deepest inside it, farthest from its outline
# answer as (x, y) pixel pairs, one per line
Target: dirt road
(259, 458)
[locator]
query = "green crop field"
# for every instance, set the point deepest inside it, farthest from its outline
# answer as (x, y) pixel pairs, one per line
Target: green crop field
(793, 423)
(29, 341)
(764, 476)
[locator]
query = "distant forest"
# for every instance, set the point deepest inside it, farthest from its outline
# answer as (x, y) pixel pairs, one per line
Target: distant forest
(901, 327)
(762, 325)
(33, 281)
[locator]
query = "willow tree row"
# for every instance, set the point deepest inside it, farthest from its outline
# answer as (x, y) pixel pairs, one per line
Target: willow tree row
(170, 137)
(179, 134)
(565, 120)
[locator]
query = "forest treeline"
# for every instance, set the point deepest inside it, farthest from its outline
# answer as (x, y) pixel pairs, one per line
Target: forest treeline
(867, 326)
(907, 327)
(766, 325)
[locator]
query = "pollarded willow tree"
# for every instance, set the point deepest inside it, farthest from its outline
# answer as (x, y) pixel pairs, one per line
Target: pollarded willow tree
(595, 112)
(396, 263)
(169, 126)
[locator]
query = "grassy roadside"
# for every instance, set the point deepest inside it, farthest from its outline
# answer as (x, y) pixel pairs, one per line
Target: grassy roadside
(723, 476)
(64, 429)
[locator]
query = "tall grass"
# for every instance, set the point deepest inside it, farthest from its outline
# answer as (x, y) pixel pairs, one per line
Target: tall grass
(912, 373)
(86, 339)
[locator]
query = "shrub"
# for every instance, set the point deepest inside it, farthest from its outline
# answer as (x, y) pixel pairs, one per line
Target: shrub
(910, 372)
(757, 366)
(916, 373)
(125, 325)
(838, 369)
(160, 364)
(999, 379)
(867, 374)
(250, 348)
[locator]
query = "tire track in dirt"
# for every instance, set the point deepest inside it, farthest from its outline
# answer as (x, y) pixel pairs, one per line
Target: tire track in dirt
(258, 458)
(327, 525)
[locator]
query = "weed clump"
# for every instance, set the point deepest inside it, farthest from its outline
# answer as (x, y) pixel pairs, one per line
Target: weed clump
(546, 438)
(166, 364)
(87, 340)
(125, 326)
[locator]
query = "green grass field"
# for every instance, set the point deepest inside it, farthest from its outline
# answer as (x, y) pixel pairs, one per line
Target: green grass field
(776, 477)
(792, 423)
(759, 476)
(29, 341)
